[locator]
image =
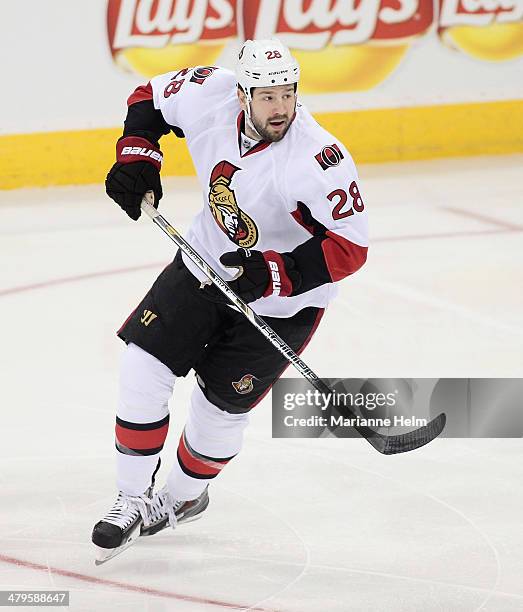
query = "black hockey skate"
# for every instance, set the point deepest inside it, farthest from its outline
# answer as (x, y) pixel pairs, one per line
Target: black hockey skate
(187, 511)
(184, 512)
(129, 516)
(147, 514)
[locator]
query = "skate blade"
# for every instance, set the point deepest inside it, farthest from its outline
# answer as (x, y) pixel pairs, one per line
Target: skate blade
(190, 519)
(148, 534)
(106, 554)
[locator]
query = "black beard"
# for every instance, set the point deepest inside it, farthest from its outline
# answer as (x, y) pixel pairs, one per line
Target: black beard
(268, 136)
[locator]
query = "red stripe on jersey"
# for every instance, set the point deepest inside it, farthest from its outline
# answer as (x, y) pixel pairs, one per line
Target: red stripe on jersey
(257, 148)
(239, 123)
(342, 256)
(198, 465)
(298, 217)
(141, 439)
(144, 92)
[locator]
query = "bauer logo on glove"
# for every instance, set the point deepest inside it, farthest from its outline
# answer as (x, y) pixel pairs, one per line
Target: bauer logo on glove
(136, 171)
(262, 274)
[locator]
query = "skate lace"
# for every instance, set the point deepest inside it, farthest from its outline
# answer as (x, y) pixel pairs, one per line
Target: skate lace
(126, 509)
(159, 506)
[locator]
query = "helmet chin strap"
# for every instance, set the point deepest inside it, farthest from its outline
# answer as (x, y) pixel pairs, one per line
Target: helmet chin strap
(249, 121)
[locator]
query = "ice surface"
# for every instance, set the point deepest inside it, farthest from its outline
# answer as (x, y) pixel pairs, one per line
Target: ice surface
(293, 525)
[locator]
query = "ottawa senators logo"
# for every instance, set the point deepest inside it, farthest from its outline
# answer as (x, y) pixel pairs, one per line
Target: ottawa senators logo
(329, 156)
(240, 228)
(244, 385)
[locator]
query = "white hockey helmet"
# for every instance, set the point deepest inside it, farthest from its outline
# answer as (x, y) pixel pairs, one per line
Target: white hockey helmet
(265, 63)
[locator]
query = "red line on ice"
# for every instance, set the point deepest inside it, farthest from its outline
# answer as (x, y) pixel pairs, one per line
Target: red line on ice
(124, 586)
(484, 218)
(80, 277)
(457, 234)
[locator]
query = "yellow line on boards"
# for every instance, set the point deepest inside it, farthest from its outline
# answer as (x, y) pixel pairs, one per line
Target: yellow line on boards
(70, 158)
(397, 134)
(425, 132)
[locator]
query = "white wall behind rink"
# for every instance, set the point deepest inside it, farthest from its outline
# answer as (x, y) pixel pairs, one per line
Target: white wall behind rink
(58, 74)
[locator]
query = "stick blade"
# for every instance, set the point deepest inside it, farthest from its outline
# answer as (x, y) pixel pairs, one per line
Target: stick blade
(403, 443)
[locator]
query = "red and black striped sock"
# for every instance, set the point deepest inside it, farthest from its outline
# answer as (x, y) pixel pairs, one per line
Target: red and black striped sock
(196, 465)
(141, 438)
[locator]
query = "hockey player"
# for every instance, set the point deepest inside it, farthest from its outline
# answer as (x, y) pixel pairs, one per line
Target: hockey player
(282, 207)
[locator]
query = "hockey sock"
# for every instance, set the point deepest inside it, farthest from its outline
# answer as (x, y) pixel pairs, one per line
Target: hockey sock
(211, 438)
(142, 420)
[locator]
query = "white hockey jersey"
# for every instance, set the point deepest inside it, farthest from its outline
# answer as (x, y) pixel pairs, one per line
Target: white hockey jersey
(275, 197)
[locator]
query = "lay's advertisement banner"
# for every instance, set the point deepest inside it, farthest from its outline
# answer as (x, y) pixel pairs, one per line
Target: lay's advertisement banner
(82, 59)
(342, 45)
(393, 79)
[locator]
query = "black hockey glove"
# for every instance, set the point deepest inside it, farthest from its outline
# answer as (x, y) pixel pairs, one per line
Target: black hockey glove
(137, 170)
(263, 274)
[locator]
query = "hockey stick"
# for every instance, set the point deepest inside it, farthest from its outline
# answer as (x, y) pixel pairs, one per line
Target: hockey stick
(386, 444)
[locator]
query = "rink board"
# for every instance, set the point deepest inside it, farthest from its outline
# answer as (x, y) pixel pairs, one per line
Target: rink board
(380, 135)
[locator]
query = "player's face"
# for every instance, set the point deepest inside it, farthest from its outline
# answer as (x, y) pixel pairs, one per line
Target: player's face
(272, 109)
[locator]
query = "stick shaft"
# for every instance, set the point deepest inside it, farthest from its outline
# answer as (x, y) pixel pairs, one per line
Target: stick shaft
(386, 444)
(244, 308)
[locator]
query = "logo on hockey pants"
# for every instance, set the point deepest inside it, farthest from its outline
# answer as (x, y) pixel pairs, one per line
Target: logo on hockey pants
(244, 385)
(148, 317)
